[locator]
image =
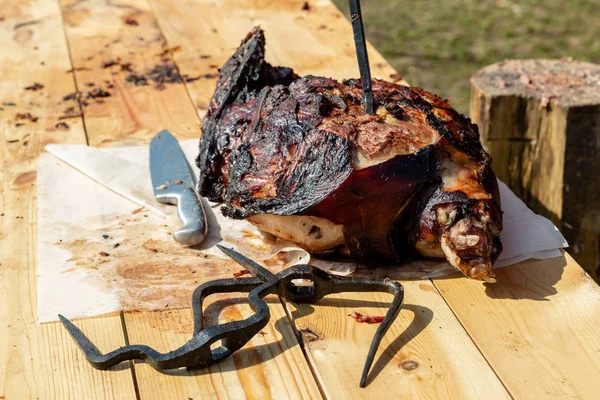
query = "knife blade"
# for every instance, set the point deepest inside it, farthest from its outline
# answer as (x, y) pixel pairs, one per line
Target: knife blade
(173, 182)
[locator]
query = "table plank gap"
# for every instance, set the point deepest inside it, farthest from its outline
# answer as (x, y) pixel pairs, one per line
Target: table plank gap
(317, 42)
(100, 33)
(549, 307)
(458, 276)
(193, 64)
(38, 361)
(271, 365)
(185, 76)
(315, 372)
(131, 363)
(130, 87)
(73, 74)
(417, 357)
(294, 38)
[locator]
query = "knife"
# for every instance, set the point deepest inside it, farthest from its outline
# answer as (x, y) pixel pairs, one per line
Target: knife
(174, 183)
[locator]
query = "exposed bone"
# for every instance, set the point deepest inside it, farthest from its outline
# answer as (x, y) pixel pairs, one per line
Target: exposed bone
(464, 241)
(456, 239)
(292, 147)
(451, 255)
(445, 217)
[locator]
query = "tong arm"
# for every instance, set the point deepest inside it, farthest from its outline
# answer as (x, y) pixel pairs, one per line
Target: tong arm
(324, 284)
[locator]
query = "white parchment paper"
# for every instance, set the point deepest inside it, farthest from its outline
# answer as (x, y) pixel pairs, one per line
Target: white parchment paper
(104, 242)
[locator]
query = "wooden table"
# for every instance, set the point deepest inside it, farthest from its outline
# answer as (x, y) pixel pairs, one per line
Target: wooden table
(534, 334)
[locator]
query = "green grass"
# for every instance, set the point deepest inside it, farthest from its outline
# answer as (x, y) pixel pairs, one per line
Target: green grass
(438, 45)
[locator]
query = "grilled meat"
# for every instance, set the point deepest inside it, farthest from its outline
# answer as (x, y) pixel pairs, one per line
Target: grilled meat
(299, 158)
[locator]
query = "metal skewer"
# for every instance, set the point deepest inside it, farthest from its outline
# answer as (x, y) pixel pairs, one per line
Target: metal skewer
(361, 52)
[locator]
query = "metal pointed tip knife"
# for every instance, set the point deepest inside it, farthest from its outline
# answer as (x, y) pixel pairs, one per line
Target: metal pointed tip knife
(174, 183)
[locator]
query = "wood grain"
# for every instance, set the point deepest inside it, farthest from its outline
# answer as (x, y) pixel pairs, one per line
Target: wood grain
(124, 33)
(537, 326)
(271, 366)
(317, 42)
(528, 156)
(38, 361)
(295, 38)
(536, 329)
(425, 354)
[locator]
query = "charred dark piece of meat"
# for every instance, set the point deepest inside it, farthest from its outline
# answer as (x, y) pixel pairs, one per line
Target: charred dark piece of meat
(300, 159)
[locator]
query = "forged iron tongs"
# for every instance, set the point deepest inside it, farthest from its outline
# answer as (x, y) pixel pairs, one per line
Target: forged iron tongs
(196, 353)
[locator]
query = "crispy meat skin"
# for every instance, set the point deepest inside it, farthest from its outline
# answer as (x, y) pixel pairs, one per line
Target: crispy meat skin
(411, 176)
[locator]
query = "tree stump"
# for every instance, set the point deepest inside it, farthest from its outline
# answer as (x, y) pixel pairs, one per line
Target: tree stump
(540, 121)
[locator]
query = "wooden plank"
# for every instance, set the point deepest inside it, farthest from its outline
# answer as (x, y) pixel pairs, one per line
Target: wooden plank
(425, 354)
(281, 26)
(123, 33)
(317, 42)
(537, 326)
(38, 361)
(272, 365)
(205, 13)
(296, 38)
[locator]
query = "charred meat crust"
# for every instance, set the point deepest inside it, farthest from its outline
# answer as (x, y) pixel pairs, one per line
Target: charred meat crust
(285, 163)
(231, 109)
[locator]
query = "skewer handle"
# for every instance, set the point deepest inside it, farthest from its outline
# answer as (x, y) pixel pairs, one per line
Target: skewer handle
(361, 52)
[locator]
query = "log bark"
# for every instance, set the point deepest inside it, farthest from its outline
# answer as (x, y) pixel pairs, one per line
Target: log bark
(540, 121)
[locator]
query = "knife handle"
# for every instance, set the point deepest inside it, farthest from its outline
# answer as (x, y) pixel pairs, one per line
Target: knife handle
(191, 213)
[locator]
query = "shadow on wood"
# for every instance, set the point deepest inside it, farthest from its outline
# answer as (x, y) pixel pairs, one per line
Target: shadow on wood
(534, 280)
(251, 356)
(422, 317)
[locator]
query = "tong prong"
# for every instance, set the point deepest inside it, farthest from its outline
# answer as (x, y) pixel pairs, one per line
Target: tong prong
(348, 284)
(256, 269)
(133, 352)
(196, 352)
(235, 334)
(398, 291)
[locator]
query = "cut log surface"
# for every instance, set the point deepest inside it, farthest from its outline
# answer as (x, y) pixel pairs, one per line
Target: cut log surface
(565, 82)
(540, 121)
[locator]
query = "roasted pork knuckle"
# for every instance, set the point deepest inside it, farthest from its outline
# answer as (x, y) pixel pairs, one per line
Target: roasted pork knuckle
(299, 158)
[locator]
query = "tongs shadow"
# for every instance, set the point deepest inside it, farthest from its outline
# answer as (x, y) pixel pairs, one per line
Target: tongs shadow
(197, 352)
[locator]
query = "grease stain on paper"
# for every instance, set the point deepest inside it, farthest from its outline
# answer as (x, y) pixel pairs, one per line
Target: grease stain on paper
(137, 255)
